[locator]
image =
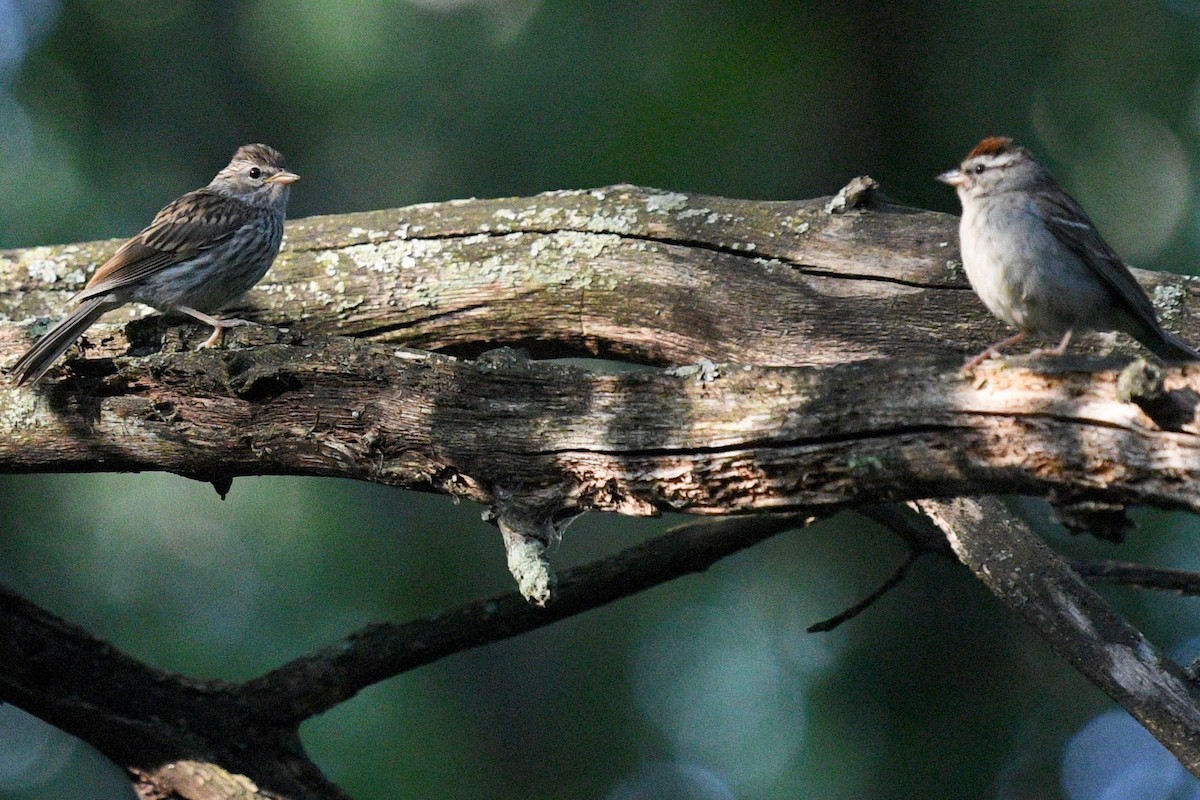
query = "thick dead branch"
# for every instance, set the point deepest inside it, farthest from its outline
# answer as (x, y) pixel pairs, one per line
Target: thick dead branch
(1038, 584)
(646, 275)
(565, 439)
(651, 276)
(205, 740)
(864, 315)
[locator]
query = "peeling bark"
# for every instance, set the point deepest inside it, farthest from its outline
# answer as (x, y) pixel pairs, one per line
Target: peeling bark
(559, 440)
(823, 355)
(649, 276)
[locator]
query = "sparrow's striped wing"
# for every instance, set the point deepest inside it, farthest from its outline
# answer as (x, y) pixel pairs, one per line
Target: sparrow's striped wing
(1071, 226)
(187, 227)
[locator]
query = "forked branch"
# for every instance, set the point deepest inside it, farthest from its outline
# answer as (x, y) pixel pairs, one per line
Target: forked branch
(820, 350)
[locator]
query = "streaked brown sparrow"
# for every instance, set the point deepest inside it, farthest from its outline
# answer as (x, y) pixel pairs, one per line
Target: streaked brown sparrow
(200, 253)
(1038, 263)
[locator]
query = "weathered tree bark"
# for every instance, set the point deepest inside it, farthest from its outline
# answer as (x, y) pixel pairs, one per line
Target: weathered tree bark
(1040, 586)
(839, 338)
(557, 440)
(648, 276)
(653, 277)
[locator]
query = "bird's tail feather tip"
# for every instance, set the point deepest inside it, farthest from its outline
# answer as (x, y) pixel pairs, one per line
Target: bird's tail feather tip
(38, 360)
(1172, 349)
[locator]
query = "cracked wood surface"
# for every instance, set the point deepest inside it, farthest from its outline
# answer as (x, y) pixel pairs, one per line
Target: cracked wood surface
(721, 440)
(649, 276)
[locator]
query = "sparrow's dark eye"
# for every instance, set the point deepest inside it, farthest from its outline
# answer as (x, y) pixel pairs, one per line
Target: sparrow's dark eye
(978, 169)
(255, 173)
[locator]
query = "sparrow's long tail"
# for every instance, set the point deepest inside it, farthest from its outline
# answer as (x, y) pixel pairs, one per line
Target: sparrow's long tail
(1169, 347)
(39, 358)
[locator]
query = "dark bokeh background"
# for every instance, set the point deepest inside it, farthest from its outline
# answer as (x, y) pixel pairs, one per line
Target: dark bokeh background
(708, 687)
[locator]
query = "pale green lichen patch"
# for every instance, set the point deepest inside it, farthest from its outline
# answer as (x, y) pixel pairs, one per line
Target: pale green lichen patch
(771, 265)
(703, 372)
(22, 409)
(332, 298)
(795, 224)
(1168, 298)
(47, 265)
(582, 245)
(392, 256)
(507, 221)
(447, 267)
(329, 260)
(610, 220)
(563, 259)
(555, 260)
(563, 194)
(63, 267)
(1141, 380)
(865, 463)
(539, 244)
(617, 214)
(371, 234)
(663, 203)
(42, 271)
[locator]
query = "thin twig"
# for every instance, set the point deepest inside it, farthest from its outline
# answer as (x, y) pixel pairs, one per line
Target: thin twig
(1159, 579)
(853, 611)
(314, 683)
(920, 534)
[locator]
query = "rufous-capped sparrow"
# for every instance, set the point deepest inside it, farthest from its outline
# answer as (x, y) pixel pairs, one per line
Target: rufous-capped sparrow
(1038, 263)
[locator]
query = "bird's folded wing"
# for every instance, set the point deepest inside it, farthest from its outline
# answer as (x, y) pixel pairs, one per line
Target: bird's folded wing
(187, 227)
(1071, 226)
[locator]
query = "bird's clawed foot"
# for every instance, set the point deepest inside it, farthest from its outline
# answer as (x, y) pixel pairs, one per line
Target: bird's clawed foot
(218, 335)
(993, 351)
(1057, 350)
(219, 326)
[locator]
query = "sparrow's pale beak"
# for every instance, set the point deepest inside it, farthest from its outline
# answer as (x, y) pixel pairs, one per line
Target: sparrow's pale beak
(954, 177)
(284, 177)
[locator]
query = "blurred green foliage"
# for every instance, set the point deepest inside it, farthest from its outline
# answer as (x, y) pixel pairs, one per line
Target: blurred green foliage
(707, 687)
